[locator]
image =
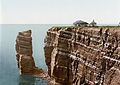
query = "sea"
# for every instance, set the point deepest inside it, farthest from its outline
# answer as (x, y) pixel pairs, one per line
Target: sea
(9, 72)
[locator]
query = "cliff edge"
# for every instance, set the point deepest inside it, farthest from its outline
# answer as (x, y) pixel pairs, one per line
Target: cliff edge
(74, 56)
(83, 56)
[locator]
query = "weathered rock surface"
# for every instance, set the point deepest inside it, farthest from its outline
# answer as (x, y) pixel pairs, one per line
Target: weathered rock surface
(24, 57)
(25, 60)
(83, 56)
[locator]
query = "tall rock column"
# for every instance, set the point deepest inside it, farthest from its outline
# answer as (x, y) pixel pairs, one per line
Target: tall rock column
(24, 57)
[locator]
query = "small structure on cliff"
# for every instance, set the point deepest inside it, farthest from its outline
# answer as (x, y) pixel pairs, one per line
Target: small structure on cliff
(80, 23)
(93, 23)
(119, 24)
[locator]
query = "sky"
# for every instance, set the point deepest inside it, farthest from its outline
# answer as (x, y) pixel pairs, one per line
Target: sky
(59, 11)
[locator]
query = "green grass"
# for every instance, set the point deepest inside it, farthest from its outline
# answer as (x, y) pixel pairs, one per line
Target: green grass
(107, 26)
(63, 27)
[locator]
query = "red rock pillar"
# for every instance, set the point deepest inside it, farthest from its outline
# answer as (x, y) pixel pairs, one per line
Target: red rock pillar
(24, 52)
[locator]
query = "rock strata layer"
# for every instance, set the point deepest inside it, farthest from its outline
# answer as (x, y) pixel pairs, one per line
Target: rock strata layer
(24, 57)
(83, 56)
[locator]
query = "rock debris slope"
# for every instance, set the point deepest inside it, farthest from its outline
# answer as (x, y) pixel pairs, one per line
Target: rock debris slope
(83, 56)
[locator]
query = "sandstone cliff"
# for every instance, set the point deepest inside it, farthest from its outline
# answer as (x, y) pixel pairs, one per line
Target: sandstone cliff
(24, 57)
(83, 56)
(25, 60)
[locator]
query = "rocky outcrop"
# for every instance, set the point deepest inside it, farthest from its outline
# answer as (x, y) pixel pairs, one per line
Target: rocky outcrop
(24, 57)
(74, 56)
(83, 56)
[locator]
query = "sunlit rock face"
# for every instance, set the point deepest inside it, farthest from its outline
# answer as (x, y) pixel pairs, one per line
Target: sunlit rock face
(83, 56)
(24, 57)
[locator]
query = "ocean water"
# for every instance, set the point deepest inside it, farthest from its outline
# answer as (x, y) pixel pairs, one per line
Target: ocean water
(9, 73)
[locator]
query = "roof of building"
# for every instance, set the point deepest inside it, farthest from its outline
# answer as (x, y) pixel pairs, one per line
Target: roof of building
(93, 22)
(80, 22)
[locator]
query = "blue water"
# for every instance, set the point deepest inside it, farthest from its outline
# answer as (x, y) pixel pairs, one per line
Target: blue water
(9, 73)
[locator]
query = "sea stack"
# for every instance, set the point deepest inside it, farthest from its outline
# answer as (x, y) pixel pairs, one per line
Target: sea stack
(25, 60)
(24, 56)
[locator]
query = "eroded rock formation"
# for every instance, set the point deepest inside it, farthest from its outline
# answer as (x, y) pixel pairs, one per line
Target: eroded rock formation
(74, 56)
(24, 57)
(83, 56)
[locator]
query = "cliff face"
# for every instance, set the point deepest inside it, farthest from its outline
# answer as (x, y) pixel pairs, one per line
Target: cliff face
(89, 56)
(24, 57)
(25, 60)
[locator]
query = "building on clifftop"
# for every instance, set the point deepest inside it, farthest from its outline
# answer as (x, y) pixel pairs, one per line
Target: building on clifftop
(80, 23)
(93, 23)
(119, 24)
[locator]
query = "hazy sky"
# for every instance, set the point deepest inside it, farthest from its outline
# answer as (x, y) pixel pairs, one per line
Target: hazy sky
(59, 11)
